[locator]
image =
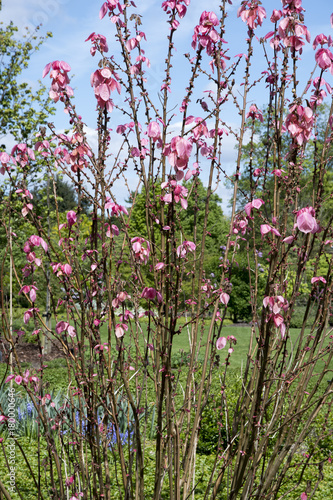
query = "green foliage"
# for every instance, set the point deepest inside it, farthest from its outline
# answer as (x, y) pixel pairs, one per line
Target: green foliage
(22, 109)
(67, 198)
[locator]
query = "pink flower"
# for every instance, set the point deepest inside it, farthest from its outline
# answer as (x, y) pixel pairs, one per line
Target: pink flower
(187, 246)
(99, 43)
(304, 496)
(205, 33)
(27, 315)
(120, 330)
(141, 249)
(71, 218)
(255, 113)
(324, 58)
(253, 204)
(224, 298)
(299, 123)
(288, 240)
(154, 131)
(316, 279)
(115, 208)
(178, 152)
(266, 228)
(59, 75)
(251, 13)
(104, 82)
(306, 221)
(178, 193)
(221, 343)
(61, 326)
(276, 16)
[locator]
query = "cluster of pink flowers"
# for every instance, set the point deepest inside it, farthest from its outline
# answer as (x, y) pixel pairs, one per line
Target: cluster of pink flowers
(179, 6)
(177, 193)
(61, 269)
(319, 94)
(122, 327)
(119, 299)
(299, 123)
(104, 81)
(291, 32)
(324, 57)
(291, 7)
(31, 289)
(25, 379)
(63, 326)
(200, 127)
(252, 13)
(110, 7)
(25, 195)
(276, 305)
(136, 68)
(59, 75)
(178, 152)
(34, 241)
(141, 249)
(257, 203)
(184, 248)
(115, 208)
(240, 225)
(76, 158)
(23, 154)
(98, 43)
(255, 113)
(205, 34)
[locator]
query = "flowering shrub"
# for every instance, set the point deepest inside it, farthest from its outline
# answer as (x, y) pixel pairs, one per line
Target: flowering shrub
(119, 296)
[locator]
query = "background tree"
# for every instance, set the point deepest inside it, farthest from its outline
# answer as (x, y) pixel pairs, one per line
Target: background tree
(22, 109)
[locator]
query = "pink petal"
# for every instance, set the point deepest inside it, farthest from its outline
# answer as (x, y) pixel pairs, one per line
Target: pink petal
(221, 343)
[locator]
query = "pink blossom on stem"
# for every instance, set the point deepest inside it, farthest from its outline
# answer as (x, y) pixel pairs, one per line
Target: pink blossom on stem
(257, 203)
(317, 279)
(59, 74)
(266, 228)
(224, 298)
(221, 343)
(184, 248)
(276, 16)
(121, 328)
(299, 123)
(98, 43)
(115, 208)
(154, 131)
(205, 33)
(324, 58)
(178, 193)
(251, 13)
(104, 81)
(141, 249)
(23, 154)
(71, 218)
(255, 113)
(306, 221)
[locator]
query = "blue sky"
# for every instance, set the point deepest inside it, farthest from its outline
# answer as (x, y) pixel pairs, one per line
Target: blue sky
(72, 21)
